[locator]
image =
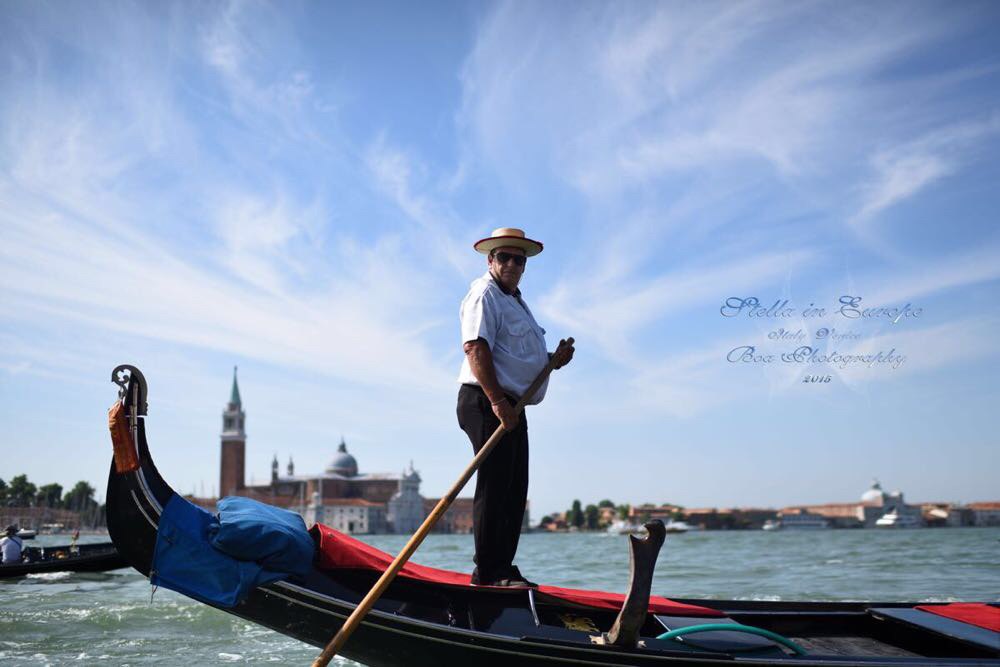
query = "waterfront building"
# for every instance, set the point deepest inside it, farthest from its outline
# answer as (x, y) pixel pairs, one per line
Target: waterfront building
(348, 515)
(799, 518)
(873, 505)
(946, 515)
(607, 515)
(985, 514)
(458, 518)
(556, 522)
(876, 503)
(406, 507)
(640, 514)
(733, 518)
(41, 518)
(837, 515)
(342, 496)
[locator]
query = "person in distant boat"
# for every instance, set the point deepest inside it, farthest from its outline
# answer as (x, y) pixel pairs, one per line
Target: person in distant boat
(504, 352)
(11, 546)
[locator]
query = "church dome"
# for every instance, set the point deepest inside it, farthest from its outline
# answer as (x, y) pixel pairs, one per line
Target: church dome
(343, 463)
(873, 495)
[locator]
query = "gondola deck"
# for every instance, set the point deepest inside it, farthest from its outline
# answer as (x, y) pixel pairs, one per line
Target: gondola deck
(419, 622)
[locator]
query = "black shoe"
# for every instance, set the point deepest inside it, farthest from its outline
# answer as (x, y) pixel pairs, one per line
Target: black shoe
(516, 580)
(478, 580)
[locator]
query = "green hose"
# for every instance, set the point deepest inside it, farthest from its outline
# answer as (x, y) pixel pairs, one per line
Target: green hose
(734, 627)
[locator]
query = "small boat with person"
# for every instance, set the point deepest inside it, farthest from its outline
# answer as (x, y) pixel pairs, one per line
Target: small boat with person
(65, 558)
(428, 616)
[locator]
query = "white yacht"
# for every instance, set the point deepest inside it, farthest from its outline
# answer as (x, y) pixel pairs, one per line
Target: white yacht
(676, 526)
(772, 524)
(893, 519)
(625, 528)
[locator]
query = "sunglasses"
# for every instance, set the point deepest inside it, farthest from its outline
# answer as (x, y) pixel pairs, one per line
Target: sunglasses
(504, 257)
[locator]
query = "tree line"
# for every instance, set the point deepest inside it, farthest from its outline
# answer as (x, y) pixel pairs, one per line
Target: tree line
(20, 492)
(589, 517)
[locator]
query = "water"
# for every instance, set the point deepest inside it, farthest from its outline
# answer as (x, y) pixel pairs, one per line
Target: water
(108, 618)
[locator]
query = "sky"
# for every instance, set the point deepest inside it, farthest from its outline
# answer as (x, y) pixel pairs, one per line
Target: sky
(294, 189)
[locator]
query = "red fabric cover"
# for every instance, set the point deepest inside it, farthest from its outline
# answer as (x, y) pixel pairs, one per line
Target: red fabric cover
(973, 613)
(339, 551)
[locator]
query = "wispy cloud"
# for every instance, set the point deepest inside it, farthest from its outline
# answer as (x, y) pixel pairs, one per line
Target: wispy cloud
(400, 177)
(105, 226)
(925, 349)
(252, 49)
(615, 314)
(929, 278)
(266, 239)
(61, 270)
(904, 170)
(653, 90)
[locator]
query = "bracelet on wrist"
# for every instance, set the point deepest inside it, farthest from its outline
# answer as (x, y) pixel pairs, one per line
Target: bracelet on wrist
(498, 401)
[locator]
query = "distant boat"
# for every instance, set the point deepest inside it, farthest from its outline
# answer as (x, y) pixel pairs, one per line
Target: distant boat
(66, 558)
(772, 524)
(893, 519)
(625, 528)
(677, 527)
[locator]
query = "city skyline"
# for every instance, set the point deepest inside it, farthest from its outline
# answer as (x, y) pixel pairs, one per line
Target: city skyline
(295, 189)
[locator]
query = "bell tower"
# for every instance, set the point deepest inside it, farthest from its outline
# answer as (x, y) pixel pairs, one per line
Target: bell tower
(234, 440)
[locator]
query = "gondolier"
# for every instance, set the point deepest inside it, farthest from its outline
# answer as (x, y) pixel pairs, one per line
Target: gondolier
(504, 351)
(11, 546)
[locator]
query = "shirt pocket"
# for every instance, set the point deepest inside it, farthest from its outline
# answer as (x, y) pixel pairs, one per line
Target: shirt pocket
(517, 339)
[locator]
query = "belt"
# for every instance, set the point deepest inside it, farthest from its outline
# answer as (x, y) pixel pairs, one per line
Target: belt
(510, 397)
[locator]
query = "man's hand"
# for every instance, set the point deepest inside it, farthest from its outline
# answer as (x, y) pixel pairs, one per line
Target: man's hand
(481, 363)
(505, 413)
(564, 353)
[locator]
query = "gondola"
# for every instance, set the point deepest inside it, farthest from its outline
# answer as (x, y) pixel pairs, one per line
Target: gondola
(435, 618)
(66, 558)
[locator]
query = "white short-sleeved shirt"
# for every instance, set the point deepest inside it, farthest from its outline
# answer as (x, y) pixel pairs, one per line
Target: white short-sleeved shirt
(10, 547)
(508, 327)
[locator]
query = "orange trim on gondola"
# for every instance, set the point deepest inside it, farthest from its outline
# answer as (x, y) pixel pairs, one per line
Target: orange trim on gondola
(126, 458)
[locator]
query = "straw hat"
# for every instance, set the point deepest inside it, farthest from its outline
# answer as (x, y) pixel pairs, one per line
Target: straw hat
(508, 237)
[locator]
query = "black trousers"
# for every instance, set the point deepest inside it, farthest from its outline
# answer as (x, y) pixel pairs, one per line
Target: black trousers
(501, 483)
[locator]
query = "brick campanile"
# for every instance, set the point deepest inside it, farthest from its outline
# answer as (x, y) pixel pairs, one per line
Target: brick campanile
(234, 441)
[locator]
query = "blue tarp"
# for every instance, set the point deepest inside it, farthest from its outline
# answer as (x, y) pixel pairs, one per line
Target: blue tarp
(271, 536)
(185, 560)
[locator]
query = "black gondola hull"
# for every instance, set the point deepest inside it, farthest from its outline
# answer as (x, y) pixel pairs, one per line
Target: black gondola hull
(418, 623)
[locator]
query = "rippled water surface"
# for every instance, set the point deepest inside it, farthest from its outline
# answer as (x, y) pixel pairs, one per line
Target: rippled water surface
(108, 618)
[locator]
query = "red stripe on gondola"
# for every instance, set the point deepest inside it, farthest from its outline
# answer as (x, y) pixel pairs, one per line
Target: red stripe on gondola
(339, 551)
(974, 613)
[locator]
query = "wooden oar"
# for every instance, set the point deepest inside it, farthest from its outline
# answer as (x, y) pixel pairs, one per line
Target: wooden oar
(352, 622)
